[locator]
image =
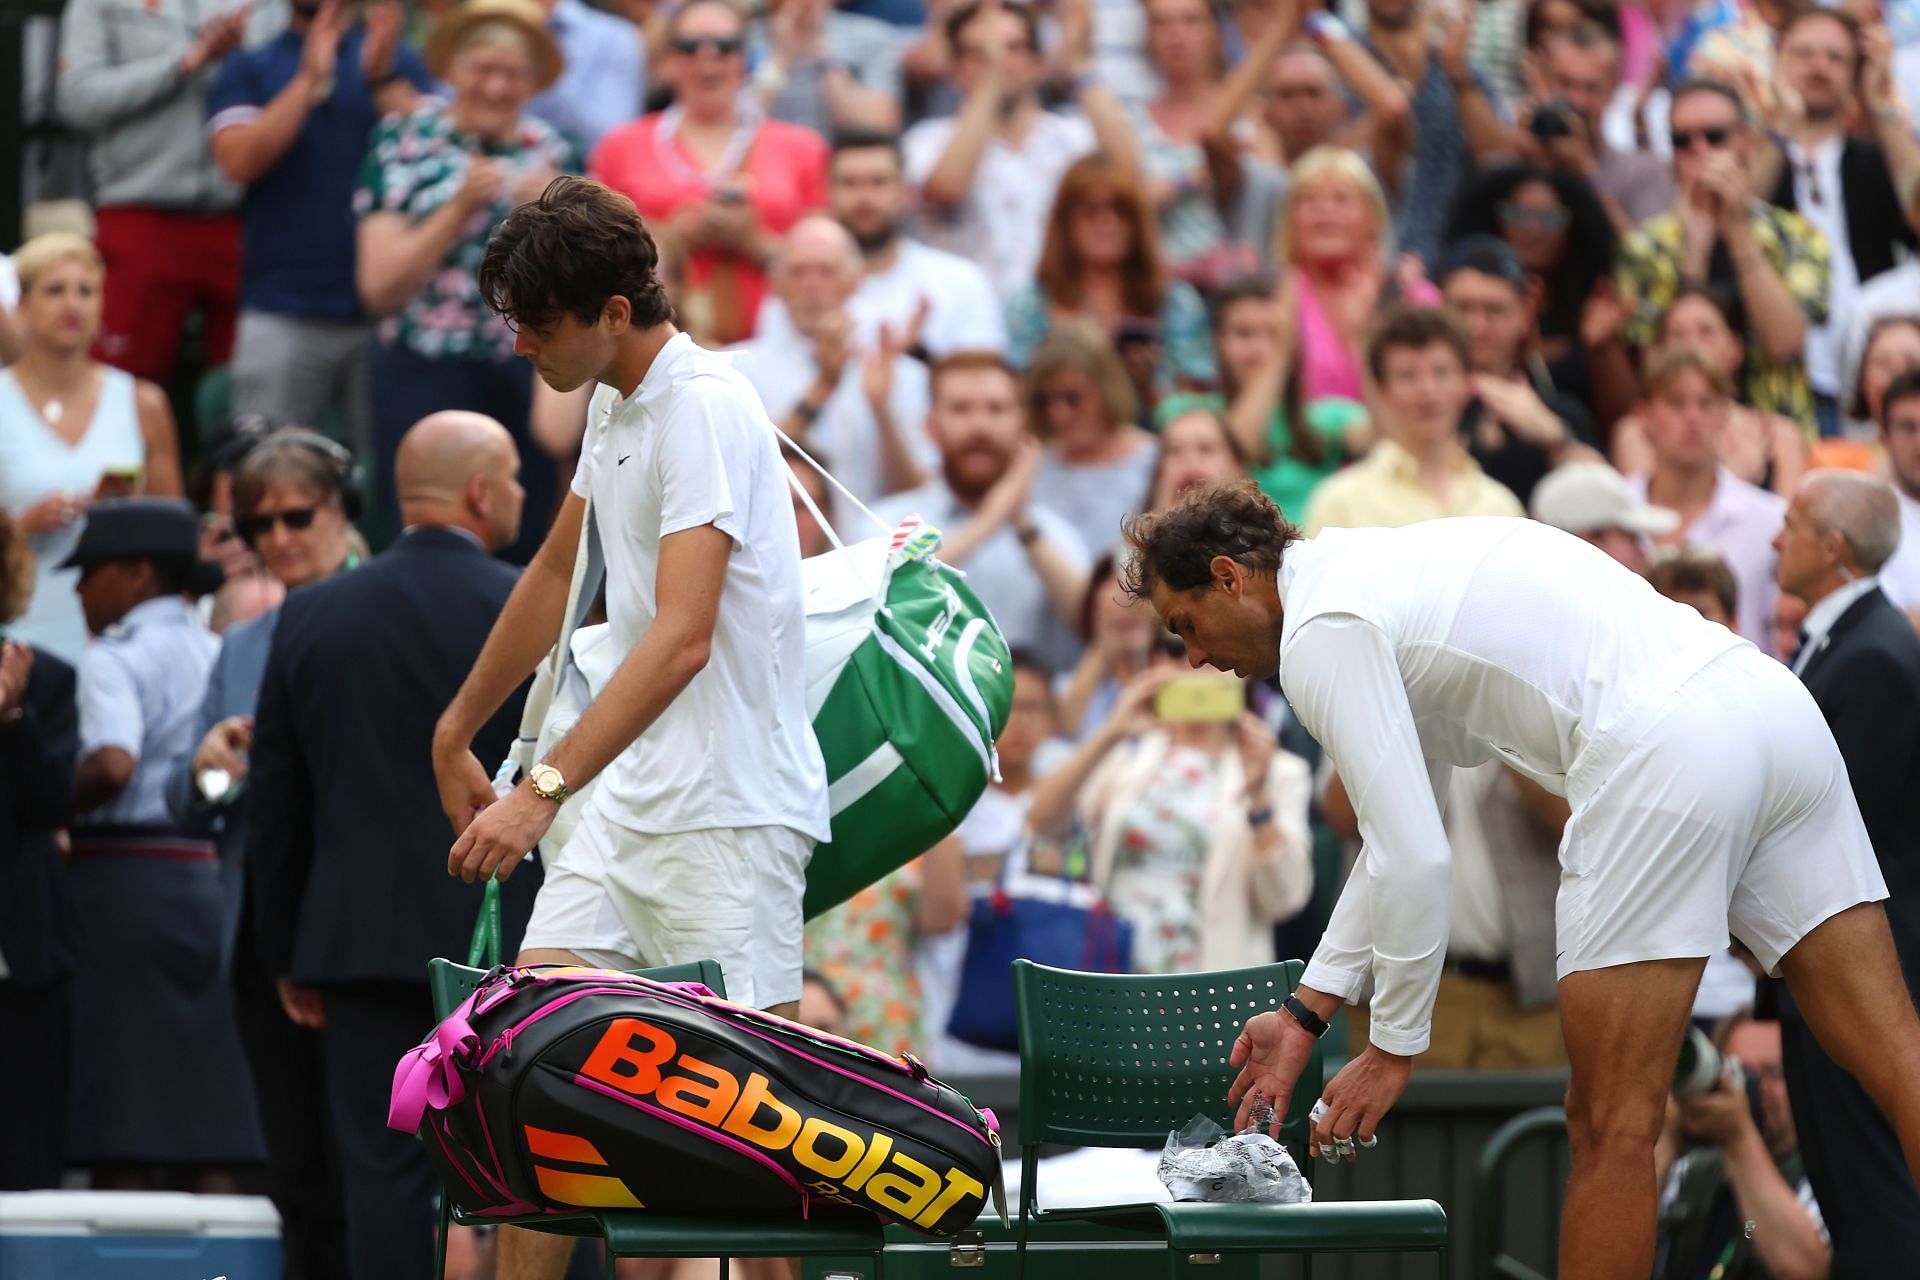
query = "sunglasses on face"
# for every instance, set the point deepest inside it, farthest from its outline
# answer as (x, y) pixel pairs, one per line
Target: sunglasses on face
(1714, 136)
(1519, 215)
(725, 46)
(254, 528)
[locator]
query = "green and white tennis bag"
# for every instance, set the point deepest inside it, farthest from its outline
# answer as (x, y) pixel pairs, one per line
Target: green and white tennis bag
(909, 683)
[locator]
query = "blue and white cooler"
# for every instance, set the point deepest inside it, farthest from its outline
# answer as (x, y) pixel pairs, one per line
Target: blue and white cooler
(137, 1235)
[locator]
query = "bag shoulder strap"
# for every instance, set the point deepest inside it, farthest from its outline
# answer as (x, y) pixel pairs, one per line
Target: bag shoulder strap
(589, 567)
(806, 499)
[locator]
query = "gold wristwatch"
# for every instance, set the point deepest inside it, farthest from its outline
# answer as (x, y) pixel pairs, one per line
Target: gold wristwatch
(548, 784)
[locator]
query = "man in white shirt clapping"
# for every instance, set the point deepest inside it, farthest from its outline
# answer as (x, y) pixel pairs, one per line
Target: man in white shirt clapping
(859, 396)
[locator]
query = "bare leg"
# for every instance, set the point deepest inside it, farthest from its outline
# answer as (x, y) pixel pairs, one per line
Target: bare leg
(1846, 979)
(1623, 1028)
(465, 1254)
(535, 1255)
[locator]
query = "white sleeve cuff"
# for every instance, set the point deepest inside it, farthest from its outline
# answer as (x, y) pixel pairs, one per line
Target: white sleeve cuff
(1335, 981)
(236, 115)
(1405, 1041)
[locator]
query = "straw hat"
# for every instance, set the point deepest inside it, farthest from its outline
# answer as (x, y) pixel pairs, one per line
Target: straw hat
(453, 25)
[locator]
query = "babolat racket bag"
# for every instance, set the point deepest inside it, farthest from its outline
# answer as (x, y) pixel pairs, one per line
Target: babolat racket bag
(556, 1088)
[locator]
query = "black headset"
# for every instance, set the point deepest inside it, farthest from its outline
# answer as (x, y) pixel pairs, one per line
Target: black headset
(348, 478)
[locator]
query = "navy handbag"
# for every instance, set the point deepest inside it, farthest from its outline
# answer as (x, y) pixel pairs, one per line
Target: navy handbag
(1047, 919)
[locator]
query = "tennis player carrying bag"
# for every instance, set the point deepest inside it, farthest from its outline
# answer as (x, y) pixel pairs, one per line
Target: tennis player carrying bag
(909, 683)
(559, 1088)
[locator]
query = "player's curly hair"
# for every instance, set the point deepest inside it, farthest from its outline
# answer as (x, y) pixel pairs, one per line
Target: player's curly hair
(1177, 546)
(567, 253)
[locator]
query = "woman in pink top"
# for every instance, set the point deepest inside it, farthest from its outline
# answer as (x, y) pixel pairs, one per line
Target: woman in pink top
(719, 179)
(1333, 234)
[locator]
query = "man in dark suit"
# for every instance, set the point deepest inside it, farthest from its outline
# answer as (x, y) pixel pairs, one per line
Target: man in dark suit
(1860, 658)
(39, 740)
(349, 886)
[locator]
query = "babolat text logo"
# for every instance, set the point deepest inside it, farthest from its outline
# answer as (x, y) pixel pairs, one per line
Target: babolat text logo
(641, 1059)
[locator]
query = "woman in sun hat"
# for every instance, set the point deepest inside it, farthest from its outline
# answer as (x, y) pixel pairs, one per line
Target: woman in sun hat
(437, 181)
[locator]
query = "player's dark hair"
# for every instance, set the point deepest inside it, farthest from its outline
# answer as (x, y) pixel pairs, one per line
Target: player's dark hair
(568, 253)
(1177, 546)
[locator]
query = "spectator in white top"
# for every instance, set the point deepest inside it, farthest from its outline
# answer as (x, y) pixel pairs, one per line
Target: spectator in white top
(863, 400)
(1027, 564)
(1688, 399)
(1900, 437)
(867, 191)
(986, 176)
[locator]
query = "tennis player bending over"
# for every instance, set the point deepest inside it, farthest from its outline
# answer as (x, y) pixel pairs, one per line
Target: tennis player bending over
(1707, 794)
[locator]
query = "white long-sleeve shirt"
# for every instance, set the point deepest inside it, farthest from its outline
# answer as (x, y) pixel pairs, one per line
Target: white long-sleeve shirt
(1408, 651)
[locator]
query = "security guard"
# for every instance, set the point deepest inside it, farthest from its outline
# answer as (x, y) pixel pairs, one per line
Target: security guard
(158, 1073)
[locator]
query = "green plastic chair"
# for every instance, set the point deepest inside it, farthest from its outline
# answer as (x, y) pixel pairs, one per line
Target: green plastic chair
(1117, 1060)
(636, 1233)
(1491, 1261)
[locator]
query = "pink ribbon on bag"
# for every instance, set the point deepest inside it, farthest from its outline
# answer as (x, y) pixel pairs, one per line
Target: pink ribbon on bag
(429, 1076)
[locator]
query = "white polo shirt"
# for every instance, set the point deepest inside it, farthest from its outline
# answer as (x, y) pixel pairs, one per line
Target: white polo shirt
(692, 446)
(1405, 652)
(963, 312)
(782, 368)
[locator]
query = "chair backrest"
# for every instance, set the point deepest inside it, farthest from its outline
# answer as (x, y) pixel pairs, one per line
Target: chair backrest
(1119, 1060)
(452, 983)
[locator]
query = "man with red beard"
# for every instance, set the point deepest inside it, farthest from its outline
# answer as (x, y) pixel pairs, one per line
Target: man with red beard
(1026, 563)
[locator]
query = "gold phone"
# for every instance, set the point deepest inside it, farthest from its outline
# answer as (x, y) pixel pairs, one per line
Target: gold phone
(119, 482)
(1200, 699)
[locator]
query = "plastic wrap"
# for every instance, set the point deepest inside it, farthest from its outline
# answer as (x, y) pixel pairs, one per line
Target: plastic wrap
(1202, 1162)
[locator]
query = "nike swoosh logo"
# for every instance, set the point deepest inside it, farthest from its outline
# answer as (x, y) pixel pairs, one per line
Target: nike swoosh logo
(623, 461)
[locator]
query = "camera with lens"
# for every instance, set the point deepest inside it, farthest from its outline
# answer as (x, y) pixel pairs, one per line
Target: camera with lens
(1556, 119)
(1699, 1069)
(1700, 1066)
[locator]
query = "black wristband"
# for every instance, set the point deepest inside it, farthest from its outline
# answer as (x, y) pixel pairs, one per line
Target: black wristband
(1310, 1022)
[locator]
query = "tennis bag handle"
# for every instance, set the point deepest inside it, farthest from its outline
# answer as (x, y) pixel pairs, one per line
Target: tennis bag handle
(557, 1089)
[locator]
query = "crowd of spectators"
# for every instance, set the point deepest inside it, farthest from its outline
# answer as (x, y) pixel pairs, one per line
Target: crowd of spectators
(1643, 272)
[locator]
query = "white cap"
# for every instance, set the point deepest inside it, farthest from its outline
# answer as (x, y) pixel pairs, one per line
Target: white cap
(1588, 497)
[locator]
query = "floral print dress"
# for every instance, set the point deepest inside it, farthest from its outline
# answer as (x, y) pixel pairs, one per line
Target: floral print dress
(864, 947)
(1164, 842)
(414, 165)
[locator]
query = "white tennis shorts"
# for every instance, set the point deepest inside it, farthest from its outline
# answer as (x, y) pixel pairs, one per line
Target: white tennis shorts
(1725, 807)
(625, 899)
